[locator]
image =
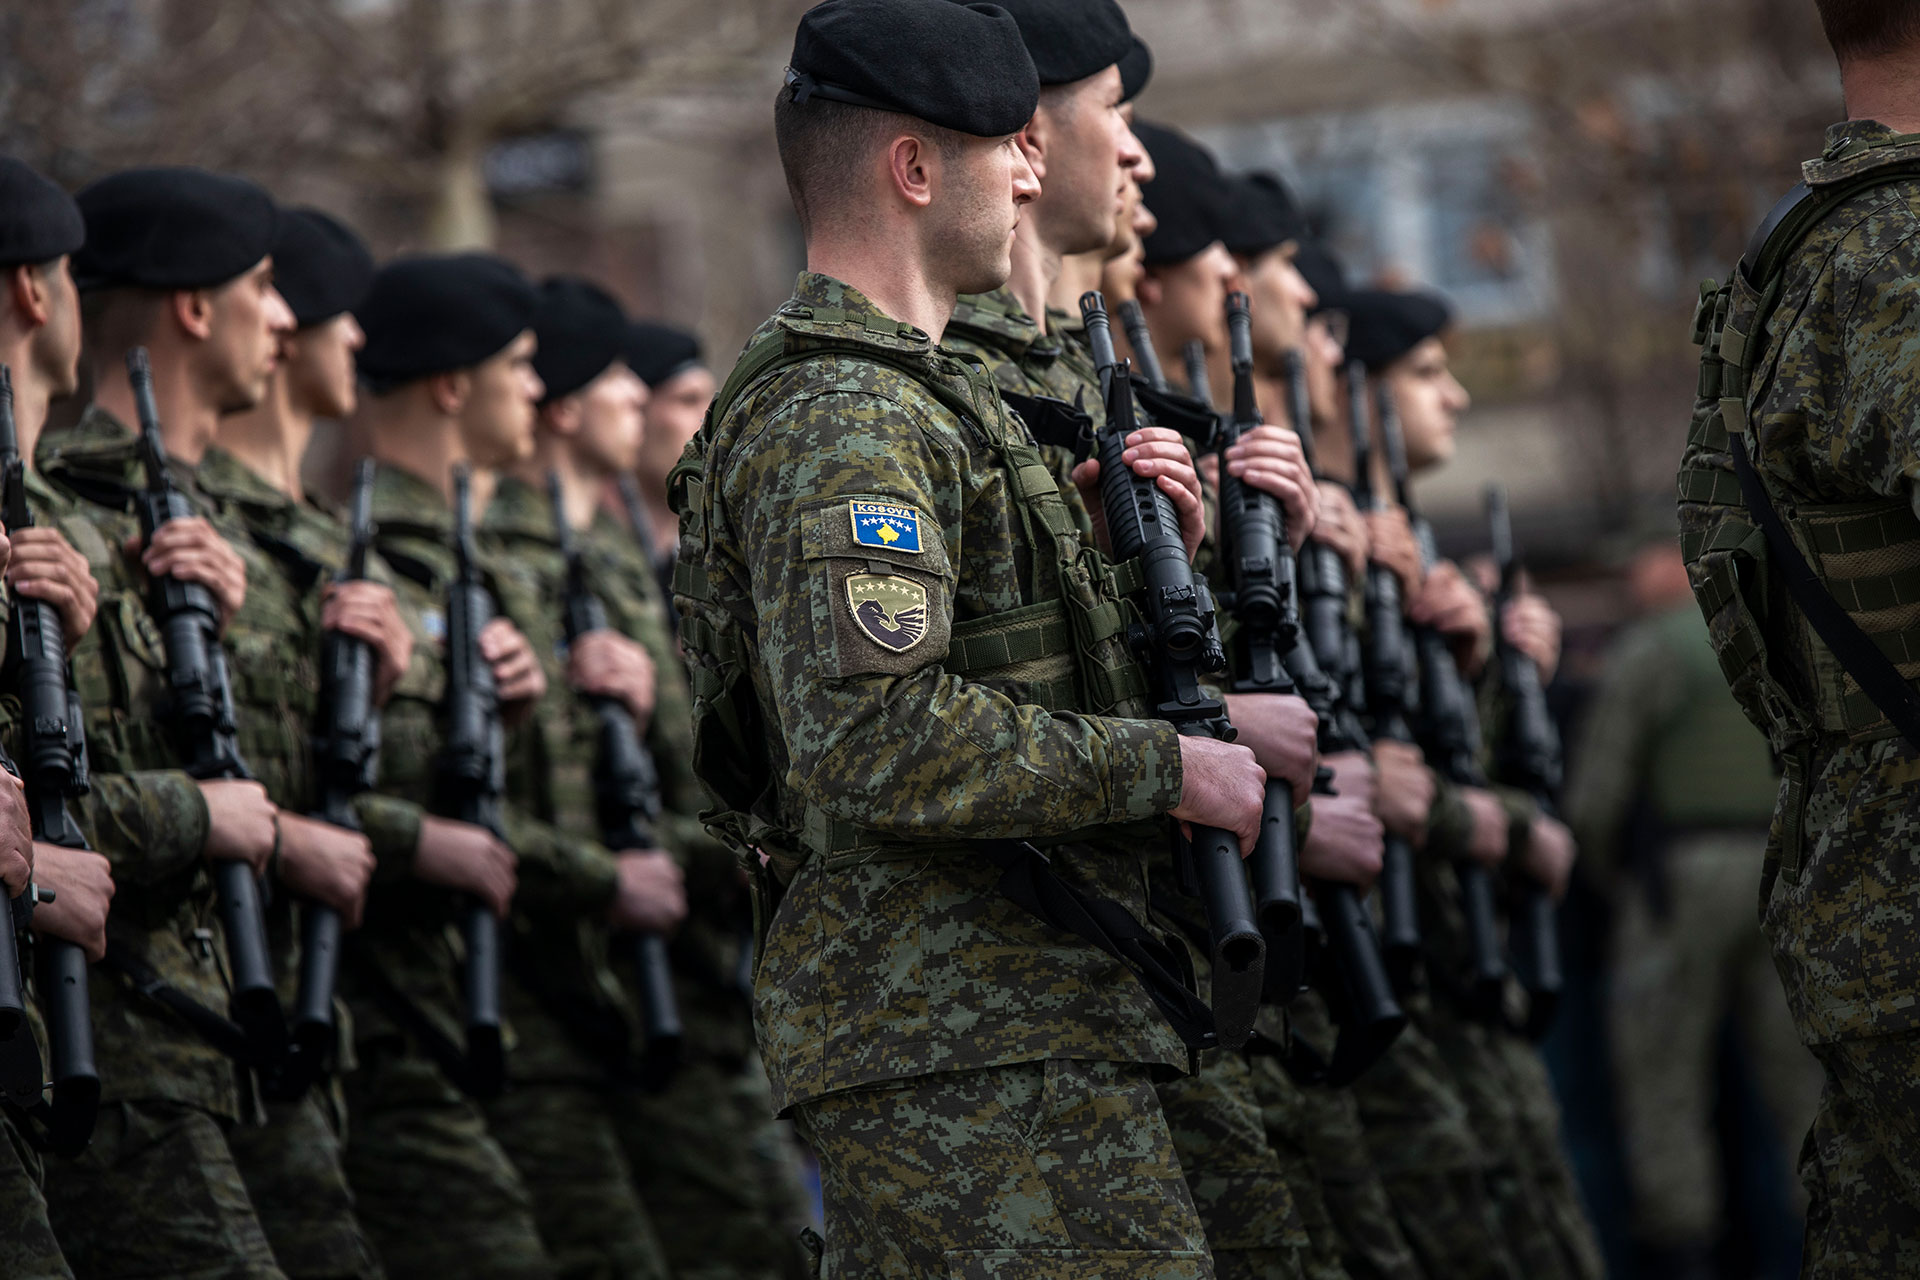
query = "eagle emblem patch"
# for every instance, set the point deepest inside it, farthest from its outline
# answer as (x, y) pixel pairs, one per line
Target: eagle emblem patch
(891, 611)
(885, 524)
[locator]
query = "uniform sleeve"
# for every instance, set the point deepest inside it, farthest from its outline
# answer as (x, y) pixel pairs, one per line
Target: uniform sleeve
(852, 633)
(1879, 415)
(392, 827)
(1610, 754)
(559, 876)
(150, 825)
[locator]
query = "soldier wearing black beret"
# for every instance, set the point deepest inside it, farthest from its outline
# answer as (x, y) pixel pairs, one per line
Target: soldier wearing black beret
(559, 1124)
(40, 345)
(448, 368)
(1263, 230)
(1187, 269)
(680, 386)
(849, 515)
(177, 261)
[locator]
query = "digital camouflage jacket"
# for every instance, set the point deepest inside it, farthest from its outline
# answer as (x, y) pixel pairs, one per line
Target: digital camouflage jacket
(853, 522)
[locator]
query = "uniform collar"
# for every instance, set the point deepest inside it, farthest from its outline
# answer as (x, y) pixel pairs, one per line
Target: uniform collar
(1858, 146)
(520, 509)
(402, 500)
(824, 307)
(221, 475)
(999, 320)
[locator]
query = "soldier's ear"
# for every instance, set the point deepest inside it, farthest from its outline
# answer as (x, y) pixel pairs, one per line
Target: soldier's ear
(1149, 292)
(449, 391)
(1032, 142)
(192, 310)
(563, 416)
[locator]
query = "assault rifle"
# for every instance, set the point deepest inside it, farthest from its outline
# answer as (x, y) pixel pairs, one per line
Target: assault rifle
(471, 787)
(55, 745)
(1253, 545)
(1384, 664)
(199, 704)
(1449, 732)
(1352, 971)
(346, 760)
(1177, 643)
(1528, 757)
(627, 795)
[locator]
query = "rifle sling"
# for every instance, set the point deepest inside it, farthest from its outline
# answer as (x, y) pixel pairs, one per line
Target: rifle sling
(218, 1030)
(1859, 657)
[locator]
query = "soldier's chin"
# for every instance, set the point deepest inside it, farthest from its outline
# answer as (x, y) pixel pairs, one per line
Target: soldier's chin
(987, 274)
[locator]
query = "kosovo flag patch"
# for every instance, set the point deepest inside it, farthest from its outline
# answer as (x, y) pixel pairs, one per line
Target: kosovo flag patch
(891, 611)
(885, 524)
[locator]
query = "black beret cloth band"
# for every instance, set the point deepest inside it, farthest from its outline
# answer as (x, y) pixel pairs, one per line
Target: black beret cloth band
(960, 66)
(434, 313)
(38, 221)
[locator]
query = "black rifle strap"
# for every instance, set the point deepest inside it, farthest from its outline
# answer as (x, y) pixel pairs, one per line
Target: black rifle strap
(218, 1030)
(1859, 657)
(1030, 881)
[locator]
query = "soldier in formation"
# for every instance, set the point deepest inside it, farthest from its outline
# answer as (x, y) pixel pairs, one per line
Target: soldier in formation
(474, 912)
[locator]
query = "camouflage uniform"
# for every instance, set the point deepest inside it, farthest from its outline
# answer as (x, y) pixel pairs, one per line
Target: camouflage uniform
(1007, 1064)
(1665, 741)
(573, 1021)
(1238, 1182)
(421, 1152)
(158, 1191)
(720, 1174)
(1826, 414)
(28, 1248)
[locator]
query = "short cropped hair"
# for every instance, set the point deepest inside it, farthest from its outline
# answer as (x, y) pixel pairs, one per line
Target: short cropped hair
(824, 144)
(1864, 28)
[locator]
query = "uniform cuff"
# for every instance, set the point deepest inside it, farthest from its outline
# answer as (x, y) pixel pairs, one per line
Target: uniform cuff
(392, 827)
(1144, 765)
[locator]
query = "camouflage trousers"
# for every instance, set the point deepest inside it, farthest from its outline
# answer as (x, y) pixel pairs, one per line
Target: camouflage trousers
(1056, 1170)
(719, 1173)
(1861, 1162)
(562, 1139)
(157, 1194)
(1421, 1139)
(1239, 1185)
(1678, 974)
(28, 1250)
(1514, 1114)
(292, 1168)
(436, 1194)
(1317, 1130)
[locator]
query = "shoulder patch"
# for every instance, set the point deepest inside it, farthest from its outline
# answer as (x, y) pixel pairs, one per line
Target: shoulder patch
(891, 611)
(885, 524)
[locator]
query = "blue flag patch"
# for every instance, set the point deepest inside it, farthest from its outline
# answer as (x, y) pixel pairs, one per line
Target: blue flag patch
(885, 524)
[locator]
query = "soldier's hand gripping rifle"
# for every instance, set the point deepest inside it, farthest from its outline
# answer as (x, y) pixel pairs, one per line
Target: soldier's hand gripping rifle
(1384, 662)
(1353, 973)
(199, 703)
(1176, 644)
(55, 746)
(471, 784)
(1253, 544)
(627, 794)
(1528, 757)
(346, 761)
(1450, 734)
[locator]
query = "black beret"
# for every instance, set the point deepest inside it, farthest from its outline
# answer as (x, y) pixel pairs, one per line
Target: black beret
(172, 229)
(1324, 275)
(582, 332)
(38, 221)
(319, 265)
(433, 313)
(960, 66)
(1070, 40)
(1383, 326)
(1136, 68)
(1261, 215)
(660, 352)
(1188, 195)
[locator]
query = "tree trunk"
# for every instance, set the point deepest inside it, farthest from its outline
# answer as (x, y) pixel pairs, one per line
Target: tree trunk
(462, 216)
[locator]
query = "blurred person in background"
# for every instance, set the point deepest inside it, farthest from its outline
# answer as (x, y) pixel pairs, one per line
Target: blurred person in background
(1670, 799)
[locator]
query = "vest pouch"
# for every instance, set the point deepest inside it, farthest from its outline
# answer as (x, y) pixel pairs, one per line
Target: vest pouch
(1728, 574)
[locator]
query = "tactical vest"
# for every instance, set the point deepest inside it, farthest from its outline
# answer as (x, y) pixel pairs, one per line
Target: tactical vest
(1067, 651)
(1864, 555)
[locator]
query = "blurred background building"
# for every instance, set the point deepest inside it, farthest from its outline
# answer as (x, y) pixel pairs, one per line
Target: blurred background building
(1566, 171)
